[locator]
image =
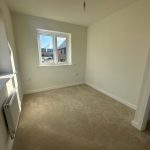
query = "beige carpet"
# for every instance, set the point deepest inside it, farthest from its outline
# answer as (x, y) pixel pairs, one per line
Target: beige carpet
(77, 118)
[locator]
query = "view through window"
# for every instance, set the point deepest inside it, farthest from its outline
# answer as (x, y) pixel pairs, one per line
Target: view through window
(54, 47)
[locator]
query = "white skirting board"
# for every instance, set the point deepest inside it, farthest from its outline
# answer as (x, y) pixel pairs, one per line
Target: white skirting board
(136, 125)
(79, 83)
(52, 87)
(112, 96)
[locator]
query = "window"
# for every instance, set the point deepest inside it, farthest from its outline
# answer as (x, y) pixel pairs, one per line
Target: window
(54, 48)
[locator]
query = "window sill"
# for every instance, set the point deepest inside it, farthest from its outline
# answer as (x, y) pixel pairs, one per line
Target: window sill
(55, 65)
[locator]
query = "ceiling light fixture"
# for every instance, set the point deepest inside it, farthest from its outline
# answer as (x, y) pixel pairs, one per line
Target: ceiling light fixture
(84, 5)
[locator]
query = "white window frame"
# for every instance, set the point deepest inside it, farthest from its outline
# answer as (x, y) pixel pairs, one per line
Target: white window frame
(55, 34)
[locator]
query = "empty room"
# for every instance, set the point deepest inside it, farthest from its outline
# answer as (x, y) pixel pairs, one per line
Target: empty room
(74, 74)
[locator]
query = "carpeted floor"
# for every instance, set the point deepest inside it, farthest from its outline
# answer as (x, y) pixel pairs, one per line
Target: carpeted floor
(77, 118)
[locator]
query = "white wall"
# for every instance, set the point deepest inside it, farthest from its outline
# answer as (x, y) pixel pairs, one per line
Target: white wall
(35, 78)
(117, 51)
(10, 38)
(5, 61)
(6, 67)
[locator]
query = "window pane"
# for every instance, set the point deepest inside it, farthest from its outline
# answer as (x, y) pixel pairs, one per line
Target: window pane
(61, 49)
(47, 48)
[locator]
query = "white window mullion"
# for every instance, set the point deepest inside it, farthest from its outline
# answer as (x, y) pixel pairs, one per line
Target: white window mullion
(39, 47)
(56, 48)
(67, 50)
(55, 54)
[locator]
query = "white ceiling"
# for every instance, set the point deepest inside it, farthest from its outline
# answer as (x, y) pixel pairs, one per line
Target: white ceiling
(69, 10)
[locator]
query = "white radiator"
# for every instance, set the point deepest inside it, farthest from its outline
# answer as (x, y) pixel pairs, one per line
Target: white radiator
(12, 113)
